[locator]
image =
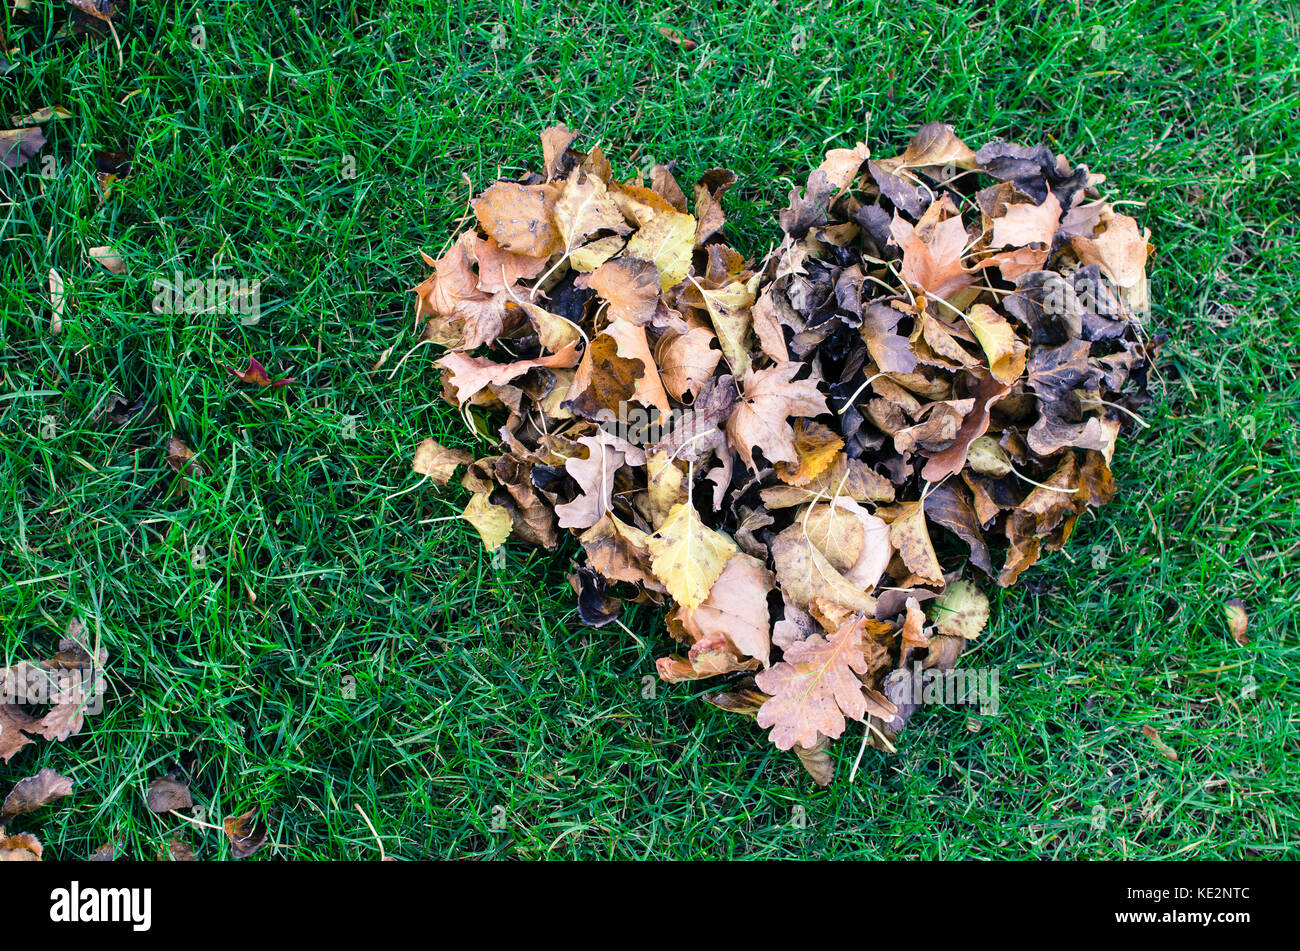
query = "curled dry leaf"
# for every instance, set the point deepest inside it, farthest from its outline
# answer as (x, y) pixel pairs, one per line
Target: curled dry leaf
(246, 833)
(20, 146)
(181, 458)
(32, 793)
(1238, 620)
(672, 36)
(67, 686)
(256, 373)
(110, 260)
(27, 796)
(58, 297)
(1165, 750)
(23, 847)
(169, 791)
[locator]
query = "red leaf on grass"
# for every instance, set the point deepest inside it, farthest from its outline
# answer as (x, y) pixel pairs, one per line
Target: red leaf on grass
(256, 373)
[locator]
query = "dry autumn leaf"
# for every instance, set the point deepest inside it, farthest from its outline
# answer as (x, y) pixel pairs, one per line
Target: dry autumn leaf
(816, 687)
(20, 146)
(438, 463)
(493, 522)
(256, 373)
(688, 557)
(168, 792)
(32, 793)
(108, 259)
(247, 833)
(962, 610)
(1238, 620)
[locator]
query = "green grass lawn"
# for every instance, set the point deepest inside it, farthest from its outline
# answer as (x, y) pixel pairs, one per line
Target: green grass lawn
(482, 719)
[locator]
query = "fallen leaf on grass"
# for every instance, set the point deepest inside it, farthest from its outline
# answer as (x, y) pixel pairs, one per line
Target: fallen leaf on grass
(65, 685)
(256, 373)
(673, 36)
(182, 460)
(177, 850)
(1238, 620)
(27, 796)
(20, 146)
(105, 853)
(246, 833)
(1165, 749)
(44, 114)
(492, 521)
(168, 792)
(109, 259)
(32, 793)
(438, 462)
(23, 847)
(57, 299)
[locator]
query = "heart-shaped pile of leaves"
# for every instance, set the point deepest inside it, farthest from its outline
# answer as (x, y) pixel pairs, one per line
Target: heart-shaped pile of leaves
(945, 343)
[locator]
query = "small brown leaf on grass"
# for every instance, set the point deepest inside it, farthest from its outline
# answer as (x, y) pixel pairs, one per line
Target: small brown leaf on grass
(438, 462)
(178, 850)
(181, 459)
(256, 373)
(32, 793)
(672, 36)
(169, 792)
(1165, 749)
(58, 297)
(180, 456)
(247, 833)
(595, 607)
(109, 259)
(101, 10)
(817, 761)
(44, 114)
(105, 853)
(1238, 619)
(23, 847)
(19, 146)
(67, 695)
